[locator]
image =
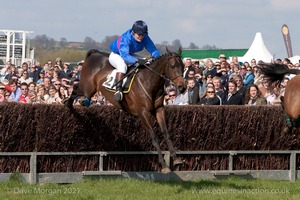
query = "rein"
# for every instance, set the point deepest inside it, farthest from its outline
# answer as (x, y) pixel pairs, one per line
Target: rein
(160, 75)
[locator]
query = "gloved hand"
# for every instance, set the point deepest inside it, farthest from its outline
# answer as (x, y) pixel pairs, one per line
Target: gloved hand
(140, 61)
(149, 60)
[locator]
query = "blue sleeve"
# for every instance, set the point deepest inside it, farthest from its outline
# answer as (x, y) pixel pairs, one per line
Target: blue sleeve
(124, 51)
(249, 79)
(150, 47)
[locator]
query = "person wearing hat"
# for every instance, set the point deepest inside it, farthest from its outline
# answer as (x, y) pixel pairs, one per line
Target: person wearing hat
(223, 59)
(41, 75)
(123, 52)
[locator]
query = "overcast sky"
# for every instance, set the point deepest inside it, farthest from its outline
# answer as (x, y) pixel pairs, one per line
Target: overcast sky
(223, 23)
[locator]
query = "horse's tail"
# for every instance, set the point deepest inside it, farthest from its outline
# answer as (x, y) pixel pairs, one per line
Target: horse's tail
(276, 72)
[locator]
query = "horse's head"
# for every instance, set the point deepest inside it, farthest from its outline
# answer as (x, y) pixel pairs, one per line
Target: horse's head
(174, 69)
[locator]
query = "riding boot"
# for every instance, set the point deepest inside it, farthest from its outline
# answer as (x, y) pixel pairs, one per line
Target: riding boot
(119, 80)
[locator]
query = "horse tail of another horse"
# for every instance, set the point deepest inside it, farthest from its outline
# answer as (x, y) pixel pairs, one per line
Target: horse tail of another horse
(276, 72)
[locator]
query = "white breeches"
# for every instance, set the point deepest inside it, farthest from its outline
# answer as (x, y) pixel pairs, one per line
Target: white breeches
(117, 62)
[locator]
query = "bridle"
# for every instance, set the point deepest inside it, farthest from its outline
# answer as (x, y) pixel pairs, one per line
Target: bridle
(168, 66)
(158, 74)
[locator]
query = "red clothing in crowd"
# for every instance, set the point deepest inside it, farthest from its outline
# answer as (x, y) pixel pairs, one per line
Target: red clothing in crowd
(24, 98)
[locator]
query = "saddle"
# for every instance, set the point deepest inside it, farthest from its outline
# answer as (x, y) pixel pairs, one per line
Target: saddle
(127, 81)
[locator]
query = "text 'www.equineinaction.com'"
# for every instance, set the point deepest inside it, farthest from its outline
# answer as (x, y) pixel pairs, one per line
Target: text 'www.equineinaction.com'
(242, 191)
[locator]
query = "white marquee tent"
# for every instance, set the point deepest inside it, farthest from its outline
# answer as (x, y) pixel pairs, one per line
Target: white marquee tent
(257, 50)
(295, 59)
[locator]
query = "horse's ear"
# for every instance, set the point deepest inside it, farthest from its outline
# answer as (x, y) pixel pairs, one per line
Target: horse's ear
(167, 50)
(180, 51)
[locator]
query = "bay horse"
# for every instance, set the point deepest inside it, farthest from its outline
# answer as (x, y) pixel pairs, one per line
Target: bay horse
(291, 100)
(145, 99)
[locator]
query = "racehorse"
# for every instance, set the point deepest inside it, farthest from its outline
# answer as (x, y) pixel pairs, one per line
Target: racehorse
(291, 101)
(145, 99)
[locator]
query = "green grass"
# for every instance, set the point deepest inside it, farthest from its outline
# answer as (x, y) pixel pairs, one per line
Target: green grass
(231, 188)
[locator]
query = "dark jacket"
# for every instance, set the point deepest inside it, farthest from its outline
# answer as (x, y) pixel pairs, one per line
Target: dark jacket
(242, 91)
(210, 101)
(193, 94)
(212, 72)
(34, 75)
(235, 99)
(224, 81)
(65, 74)
(222, 95)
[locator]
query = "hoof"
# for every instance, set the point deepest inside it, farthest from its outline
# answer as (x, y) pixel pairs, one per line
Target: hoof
(177, 161)
(285, 130)
(165, 170)
(67, 103)
(81, 102)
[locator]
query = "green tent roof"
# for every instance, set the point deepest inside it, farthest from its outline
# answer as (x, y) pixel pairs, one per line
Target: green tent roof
(201, 54)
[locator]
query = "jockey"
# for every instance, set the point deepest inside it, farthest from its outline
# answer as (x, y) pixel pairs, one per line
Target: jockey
(123, 52)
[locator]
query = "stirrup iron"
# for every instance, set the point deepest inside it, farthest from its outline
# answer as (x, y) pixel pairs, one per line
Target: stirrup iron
(118, 96)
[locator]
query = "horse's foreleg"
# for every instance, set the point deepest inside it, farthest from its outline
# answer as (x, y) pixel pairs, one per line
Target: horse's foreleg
(161, 120)
(146, 120)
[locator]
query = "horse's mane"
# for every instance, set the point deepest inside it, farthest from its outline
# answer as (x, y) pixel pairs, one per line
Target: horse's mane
(164, 55)
(275, 72)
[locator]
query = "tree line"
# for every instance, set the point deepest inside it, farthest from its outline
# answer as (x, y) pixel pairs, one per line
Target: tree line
(47, 48)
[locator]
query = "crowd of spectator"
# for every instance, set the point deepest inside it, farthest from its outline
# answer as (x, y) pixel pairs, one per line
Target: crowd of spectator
(31, 83)
(227, 82)
(223, 82)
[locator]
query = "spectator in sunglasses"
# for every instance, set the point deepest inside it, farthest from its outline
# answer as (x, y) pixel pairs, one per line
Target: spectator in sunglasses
(210, 97)
(249, 77)
(24, 93)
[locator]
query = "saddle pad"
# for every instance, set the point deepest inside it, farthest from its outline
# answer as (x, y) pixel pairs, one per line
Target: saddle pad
(127, 82)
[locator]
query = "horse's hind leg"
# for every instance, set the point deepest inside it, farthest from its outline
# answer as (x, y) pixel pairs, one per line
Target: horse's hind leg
(69, 102)
(161, 120)
(146, 120)
(291, 124)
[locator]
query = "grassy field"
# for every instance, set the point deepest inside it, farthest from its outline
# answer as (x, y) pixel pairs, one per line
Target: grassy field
(231, 188)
